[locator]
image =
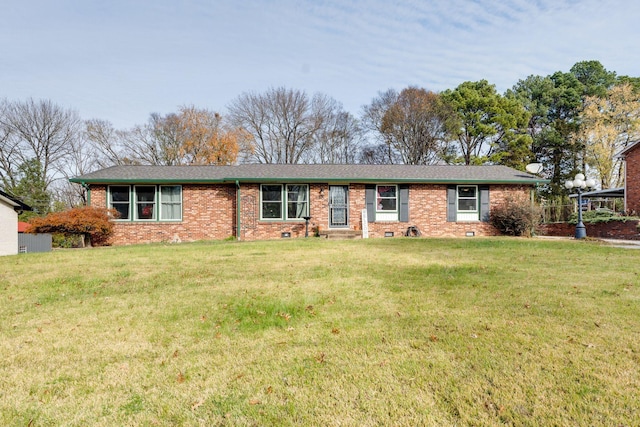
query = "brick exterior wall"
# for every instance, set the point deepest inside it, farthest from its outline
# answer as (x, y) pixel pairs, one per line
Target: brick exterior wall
(632, 180)
(626, 230)
(209, 213)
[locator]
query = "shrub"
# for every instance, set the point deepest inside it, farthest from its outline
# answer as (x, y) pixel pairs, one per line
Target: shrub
(92, 224)
(596, 216)
(516, 217)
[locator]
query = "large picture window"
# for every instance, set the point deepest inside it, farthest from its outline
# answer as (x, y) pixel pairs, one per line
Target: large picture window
(146, 202)
(284, 202)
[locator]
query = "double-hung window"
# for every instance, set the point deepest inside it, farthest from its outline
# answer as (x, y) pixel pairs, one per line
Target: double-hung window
(284, 202)
(145, 197)
(386, 203)
(467, 203)
(120, 200)
(146, 202)
(170, 203)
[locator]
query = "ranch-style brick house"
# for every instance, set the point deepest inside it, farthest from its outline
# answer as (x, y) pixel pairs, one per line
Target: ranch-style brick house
(262, 201)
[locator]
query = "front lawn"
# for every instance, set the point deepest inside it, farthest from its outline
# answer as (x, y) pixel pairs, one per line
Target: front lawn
(399, 332)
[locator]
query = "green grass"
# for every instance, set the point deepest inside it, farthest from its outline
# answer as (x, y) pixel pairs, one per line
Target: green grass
(312, 332)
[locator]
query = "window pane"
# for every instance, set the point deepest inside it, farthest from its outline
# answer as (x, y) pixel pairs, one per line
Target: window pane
(170, 193)
(119, 194)
(467, 205)
(145, 194)
(387, 205)
(123, 210)
(272, 193)
(387, 191)
(272, 210)
(145, 211)
(466, 192)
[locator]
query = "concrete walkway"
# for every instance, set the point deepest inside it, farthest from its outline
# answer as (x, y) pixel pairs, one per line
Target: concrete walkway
(618, 243)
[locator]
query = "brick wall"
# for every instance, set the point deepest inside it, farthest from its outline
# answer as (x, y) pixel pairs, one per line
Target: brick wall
(632, 180)
(627, 230)
(209, 214)
(427, 211)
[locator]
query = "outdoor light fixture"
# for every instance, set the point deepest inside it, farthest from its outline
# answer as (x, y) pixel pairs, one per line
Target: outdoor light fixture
(579, 183)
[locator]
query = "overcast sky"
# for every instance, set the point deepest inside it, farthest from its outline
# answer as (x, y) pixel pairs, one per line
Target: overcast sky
(120, 60)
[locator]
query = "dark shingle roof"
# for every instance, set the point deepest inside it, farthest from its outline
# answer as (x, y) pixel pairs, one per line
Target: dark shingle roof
(308, 173)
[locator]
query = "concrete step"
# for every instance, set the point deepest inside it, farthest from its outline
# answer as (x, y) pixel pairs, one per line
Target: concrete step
(341, 234)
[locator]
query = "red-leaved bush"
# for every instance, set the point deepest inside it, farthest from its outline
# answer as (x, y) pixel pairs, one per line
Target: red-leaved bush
(93, 224)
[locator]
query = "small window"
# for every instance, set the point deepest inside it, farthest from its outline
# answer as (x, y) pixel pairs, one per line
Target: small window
(145, 202)
(387, 198)
(467, 198)
(297, 202)
(271, 201)
(170, 203)
(119, 199)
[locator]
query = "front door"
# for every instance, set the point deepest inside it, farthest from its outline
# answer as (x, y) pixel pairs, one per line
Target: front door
(338, 206)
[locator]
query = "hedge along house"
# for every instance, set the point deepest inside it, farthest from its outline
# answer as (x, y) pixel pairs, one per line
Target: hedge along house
(260, 201)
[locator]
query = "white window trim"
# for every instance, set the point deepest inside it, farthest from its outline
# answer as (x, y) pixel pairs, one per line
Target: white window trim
(284, 201)
(467, 215)
(159, 197)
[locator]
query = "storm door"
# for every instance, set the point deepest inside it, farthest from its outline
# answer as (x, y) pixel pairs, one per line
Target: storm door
(338, 206)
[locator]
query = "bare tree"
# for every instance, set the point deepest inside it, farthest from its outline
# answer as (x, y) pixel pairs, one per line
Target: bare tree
(10, 158)
(372, 119)
(284, 125)
(108, 148)
(39, 130)
(412, 123)
(339, 139)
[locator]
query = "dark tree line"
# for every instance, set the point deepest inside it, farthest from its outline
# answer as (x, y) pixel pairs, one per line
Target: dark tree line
(567, 121)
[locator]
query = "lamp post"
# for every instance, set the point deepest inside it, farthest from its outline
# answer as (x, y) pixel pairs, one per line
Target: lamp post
(579, 183)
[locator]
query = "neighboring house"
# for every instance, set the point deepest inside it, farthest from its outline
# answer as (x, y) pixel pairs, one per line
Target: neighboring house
(10, 208)
(631, 156)
(187, 203)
